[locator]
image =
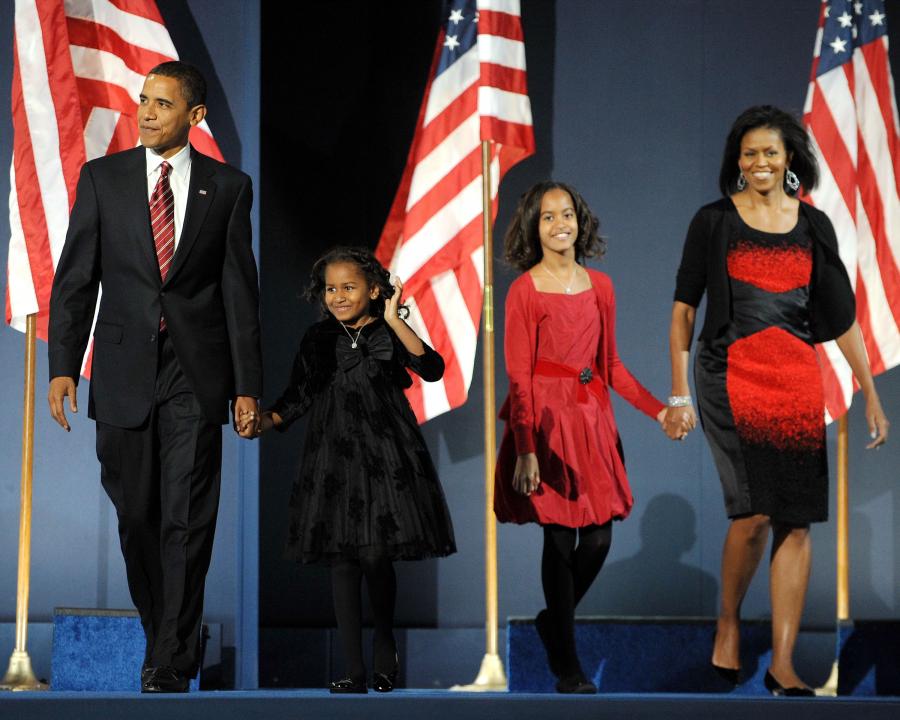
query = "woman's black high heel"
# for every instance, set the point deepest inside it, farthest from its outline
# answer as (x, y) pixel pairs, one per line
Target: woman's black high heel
(729, 675)
(777, 689)
(384, 682)
(347, 686)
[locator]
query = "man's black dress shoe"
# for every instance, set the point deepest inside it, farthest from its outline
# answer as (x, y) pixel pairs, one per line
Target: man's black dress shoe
(166, 679)
(542, 625)
(348, 686)
(576, 684)
(777, 689)
(146, 674)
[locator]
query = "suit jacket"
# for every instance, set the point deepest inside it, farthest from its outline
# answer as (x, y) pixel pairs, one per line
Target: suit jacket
(210, 297)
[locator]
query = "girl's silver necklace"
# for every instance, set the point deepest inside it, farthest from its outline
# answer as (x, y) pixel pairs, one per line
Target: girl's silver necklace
(354, 341)
(566, 287)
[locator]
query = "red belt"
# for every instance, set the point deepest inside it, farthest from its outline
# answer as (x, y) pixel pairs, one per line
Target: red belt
(585, 377)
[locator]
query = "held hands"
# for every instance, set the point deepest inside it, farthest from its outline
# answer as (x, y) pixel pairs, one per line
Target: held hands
(60, 387)
(677, 422)
(526, 476)
(246, 416)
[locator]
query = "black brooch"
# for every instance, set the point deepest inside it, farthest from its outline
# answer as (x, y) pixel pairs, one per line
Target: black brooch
(585, 376)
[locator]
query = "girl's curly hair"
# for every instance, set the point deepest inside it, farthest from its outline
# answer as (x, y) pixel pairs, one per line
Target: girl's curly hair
(366, 261)
(522, 244)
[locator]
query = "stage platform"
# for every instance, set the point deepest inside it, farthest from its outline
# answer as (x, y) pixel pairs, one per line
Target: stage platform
(433, 705)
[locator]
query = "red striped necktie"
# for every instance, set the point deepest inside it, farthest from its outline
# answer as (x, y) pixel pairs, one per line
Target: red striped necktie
(162, 221)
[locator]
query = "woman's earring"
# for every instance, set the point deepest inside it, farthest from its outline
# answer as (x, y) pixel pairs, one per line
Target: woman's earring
(791, 180)
(741, 182)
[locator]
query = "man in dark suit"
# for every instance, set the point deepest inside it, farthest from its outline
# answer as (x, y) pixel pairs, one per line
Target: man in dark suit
(166, 231)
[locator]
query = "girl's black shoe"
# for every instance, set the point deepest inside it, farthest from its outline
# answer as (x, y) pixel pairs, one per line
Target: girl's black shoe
(384, 682)
(777, 689)
(348, 686)
(576, 684)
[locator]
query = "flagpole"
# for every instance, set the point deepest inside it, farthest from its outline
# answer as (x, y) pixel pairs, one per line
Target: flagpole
(843, 549)
(20, 676)
(491, 676)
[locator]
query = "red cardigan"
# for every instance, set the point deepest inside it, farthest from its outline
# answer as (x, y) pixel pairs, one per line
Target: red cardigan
(523, 314)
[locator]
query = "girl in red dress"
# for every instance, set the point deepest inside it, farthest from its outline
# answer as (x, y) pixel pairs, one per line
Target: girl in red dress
(560, 463)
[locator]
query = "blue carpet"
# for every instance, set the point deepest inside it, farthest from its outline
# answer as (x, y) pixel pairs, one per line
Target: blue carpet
(869, 652)
(638, 655)
(97, 650)
(432, 705)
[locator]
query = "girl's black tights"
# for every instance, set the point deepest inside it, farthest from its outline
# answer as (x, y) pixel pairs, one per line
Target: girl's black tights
(346, 586)
(567, 572)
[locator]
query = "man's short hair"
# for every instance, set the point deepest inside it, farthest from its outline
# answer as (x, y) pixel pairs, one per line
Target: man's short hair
(193, 85)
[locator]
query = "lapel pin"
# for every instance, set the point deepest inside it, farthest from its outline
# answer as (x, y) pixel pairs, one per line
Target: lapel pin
(203, 192)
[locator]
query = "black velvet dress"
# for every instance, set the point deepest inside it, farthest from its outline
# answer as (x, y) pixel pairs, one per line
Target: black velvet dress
(366, 477)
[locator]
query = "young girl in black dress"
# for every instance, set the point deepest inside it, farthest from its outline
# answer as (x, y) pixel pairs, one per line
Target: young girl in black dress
(367, 493)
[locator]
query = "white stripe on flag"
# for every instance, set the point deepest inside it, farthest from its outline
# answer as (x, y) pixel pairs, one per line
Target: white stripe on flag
(44, 131)
(502, 51)
(882, 324)
(505, 6)
(131, 28)
(439, 229)
(22, 296)
(458, 321)
(840, 103)
(431, 169)
(103, 66)
(451, 83)
(99, 130)
(509, 106)
(434, 394)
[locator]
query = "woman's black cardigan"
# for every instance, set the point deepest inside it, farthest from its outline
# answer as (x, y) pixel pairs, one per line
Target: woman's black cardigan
(832, 305)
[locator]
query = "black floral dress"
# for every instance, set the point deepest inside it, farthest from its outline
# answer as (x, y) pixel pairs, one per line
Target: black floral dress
(366, 477)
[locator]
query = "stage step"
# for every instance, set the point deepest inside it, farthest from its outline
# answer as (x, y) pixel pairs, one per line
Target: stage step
(98, 650)
(645, 655)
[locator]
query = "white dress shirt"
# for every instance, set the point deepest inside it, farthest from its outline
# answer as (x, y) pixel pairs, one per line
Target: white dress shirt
(179, 181)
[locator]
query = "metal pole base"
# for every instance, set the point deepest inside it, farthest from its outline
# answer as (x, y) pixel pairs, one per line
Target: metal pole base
(20, 676)
(830, 688)
(491, 677)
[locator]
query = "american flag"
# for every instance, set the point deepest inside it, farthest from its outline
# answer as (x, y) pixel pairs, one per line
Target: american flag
(433, 235)
(78, 69)
(851, 114)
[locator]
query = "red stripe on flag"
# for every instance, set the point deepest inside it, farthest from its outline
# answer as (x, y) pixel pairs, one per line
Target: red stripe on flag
(829, 139)
(492, 22)
(440, 338)
(63, 91)
(864, 318)
(449, 257)
(877, 64)
(146, 9)
(97, 93)
(125, 135)
(504, 78)
(469, 282)
(834, 397)
(508, 133)
(464, 106)
(85, 33)
(444, 191)
(875, 212)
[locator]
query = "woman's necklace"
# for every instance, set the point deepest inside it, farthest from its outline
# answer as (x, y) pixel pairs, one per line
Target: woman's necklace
(566, 286)
(354, 341)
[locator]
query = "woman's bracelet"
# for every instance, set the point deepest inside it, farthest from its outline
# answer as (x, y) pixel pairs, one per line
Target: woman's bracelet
(680, 400)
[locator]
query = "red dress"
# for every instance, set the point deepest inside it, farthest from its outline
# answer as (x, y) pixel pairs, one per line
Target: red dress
(561, 360)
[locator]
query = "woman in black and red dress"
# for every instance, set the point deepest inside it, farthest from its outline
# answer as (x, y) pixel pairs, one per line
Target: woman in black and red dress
(775, 285)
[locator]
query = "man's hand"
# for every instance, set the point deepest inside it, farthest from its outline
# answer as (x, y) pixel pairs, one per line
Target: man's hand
(60, 387)
(246, 416)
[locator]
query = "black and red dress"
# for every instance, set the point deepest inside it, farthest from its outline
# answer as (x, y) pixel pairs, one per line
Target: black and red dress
(759, 388)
